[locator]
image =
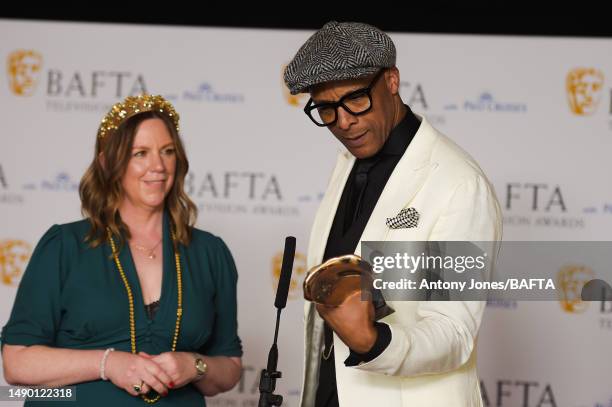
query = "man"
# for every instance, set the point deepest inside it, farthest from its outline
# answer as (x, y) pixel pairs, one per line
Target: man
(399, 180)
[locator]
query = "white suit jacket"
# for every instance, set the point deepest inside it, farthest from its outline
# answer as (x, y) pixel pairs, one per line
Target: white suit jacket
(431, 360)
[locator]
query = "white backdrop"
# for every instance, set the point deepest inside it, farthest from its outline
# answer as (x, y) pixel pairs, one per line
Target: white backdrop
(259, 167)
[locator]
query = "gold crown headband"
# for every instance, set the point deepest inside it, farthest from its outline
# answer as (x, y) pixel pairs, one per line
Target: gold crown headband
(133, 105)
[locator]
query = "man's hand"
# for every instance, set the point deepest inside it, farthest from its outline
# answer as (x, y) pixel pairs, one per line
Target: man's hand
(353, 322)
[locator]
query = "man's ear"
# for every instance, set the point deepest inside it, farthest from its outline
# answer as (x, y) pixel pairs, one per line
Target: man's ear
(392, 78)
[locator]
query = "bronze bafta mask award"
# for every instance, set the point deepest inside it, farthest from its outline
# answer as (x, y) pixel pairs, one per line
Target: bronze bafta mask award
(336, 279)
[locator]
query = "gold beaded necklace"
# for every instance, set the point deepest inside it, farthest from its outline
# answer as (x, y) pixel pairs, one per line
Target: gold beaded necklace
(179, 307)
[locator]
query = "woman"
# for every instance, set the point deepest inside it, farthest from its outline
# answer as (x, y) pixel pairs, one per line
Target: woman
(132, 304)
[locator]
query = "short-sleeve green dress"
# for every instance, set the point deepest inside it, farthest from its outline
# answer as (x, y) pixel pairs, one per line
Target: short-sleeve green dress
(72, 296)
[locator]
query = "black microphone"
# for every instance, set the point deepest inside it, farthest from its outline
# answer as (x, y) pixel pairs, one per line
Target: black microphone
(285, 276)
(267, 379)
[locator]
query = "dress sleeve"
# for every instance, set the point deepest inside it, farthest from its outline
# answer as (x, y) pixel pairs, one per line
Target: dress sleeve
(36, 312)
(224, 340)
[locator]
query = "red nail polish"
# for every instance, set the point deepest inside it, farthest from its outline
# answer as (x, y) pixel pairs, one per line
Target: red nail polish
(171, 384)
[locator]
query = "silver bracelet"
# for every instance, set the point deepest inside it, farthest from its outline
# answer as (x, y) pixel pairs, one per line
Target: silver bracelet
(103, 363)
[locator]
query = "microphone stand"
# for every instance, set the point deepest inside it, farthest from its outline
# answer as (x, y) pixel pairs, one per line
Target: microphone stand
(267, 379)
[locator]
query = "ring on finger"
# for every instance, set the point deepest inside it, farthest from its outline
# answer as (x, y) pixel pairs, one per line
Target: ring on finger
(138, 387)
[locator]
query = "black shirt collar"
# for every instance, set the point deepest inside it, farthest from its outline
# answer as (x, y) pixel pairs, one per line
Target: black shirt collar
(401, 135)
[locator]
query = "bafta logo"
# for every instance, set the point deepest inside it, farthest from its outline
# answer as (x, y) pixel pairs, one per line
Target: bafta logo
(584, 87)
(23, 67)
(570, 280)
(299, 269)
(14, 255)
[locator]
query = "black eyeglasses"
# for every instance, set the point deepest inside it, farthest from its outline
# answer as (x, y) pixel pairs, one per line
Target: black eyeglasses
(356, 103)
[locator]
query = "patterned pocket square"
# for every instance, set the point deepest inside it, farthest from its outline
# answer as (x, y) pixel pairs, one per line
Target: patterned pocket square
(407, 218)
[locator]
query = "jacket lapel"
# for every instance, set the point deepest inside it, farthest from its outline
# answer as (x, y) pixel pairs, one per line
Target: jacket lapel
(327, 209)
(403, 184)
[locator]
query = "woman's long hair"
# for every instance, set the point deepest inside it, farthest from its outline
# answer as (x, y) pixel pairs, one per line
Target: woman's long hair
(101, 191)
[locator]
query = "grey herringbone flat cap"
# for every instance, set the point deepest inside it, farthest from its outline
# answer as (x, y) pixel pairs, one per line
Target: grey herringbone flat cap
(339, 51)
